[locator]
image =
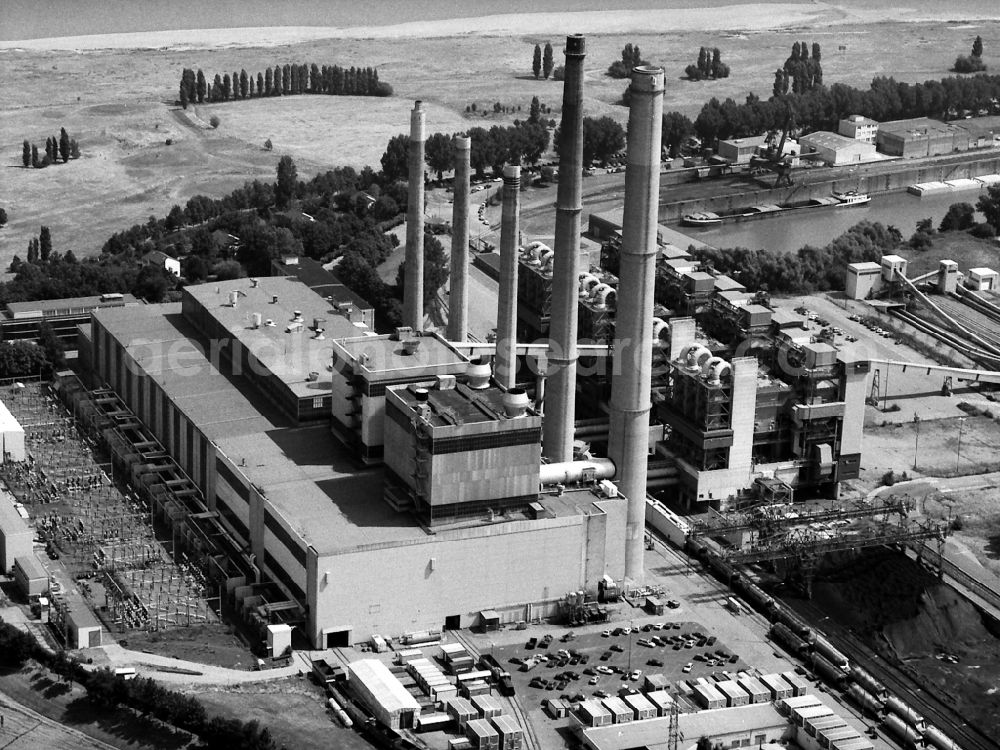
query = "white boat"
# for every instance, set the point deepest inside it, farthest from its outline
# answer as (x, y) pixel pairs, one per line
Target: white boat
(701, 219)
(853, 198)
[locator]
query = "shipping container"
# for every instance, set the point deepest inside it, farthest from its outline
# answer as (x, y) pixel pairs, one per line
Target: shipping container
(799, 686)
(778, 686)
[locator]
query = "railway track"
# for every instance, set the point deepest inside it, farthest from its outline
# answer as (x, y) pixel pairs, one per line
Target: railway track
(932, 706)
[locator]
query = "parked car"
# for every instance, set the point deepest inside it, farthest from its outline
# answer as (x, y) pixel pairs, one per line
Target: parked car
(655, 663)
(687, 667)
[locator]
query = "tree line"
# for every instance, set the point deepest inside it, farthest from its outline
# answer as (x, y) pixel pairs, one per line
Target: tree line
(822, 107)
(56, 147)
(282, 80)
(709, 65)
(108, 691)
(810, 269)
(520, 143)
(800, 72)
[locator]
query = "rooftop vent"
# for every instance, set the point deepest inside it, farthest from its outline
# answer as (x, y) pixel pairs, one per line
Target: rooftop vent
(421, 394)
(515, 402)
(269, 323)
(410, 346)
(478, 374)
(293, 326)
(319, 334)
(403, 332)
(256, 319)
(274, 299)
(254, 283)
(312, 377)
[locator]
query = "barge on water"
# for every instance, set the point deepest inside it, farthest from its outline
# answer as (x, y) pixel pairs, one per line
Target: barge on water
(709, 218)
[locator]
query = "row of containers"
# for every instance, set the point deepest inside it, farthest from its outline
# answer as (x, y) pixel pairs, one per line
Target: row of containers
(817, 727)
(657, 697)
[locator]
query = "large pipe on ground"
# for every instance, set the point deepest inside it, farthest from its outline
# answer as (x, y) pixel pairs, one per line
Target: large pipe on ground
(560, 409)
(505, 369)
(413, 289)
(628, 440)
(458, 299)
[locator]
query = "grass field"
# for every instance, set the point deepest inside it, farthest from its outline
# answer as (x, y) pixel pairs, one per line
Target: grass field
(117, 103)
(292, 709)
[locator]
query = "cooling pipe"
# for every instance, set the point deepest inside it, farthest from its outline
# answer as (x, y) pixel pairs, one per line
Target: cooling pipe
(628, 440)
(557, 440)
(505, 369)
(458, 299)
(413, 288)
(572, 472)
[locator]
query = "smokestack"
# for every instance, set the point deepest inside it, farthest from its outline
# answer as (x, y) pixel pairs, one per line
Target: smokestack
(505, 370)
(413, 290)
(557, 441)
(458, 300)
(628, 439)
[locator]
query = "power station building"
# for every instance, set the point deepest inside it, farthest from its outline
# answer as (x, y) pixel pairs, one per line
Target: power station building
(245, 408)
(391, 484)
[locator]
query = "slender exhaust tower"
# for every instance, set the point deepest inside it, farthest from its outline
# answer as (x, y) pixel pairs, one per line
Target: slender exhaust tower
(628, 439)
(560, 408)
(413, 288)
(458, 300)
(505, 370)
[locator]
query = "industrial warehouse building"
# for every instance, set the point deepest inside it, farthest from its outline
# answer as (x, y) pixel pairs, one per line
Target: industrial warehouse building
(919, 136)
(382, 692)
(835, 150)
(236, 384)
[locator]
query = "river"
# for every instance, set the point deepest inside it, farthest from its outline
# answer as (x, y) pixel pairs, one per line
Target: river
(789, 232)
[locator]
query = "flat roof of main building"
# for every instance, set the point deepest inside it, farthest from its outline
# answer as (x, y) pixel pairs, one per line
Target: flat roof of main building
(377, 355)
(288, 349)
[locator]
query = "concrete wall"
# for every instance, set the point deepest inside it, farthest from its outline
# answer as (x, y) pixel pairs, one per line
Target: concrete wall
(393, 590)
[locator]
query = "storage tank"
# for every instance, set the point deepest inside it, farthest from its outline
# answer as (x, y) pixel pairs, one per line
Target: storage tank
(828, 670)
(865, 700)
(895, 706)
(869, 683)
(908, 736)
(824, 647)
(934, 737)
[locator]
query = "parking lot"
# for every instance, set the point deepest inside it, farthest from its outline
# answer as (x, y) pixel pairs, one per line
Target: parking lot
(613, 662)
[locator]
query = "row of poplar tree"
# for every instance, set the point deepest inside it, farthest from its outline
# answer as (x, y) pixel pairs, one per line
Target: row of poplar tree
(63, 147)
(282, 80)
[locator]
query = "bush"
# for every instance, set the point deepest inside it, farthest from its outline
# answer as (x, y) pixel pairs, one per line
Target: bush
(889, 478)
(268, 145)
(957, 524)
(921, 241)
(969, 64)
(170, 141)
(983, 231)
(16, 646)
(214, 121)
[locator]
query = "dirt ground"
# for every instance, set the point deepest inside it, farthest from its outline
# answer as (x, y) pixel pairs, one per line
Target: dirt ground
(293, 710)
(41, 690)
(117, 103)
(211, 644)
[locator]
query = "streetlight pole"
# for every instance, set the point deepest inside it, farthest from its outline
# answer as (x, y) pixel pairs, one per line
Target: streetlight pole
(916, 439)
(958, 452)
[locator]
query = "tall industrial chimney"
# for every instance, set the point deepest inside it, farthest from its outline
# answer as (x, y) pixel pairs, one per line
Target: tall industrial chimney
(505, 370)
(413, 290)
(628, 439)
(458, 300)
(560, 408)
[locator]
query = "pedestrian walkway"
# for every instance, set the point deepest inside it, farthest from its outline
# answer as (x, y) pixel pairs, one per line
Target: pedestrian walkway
(162, 668)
